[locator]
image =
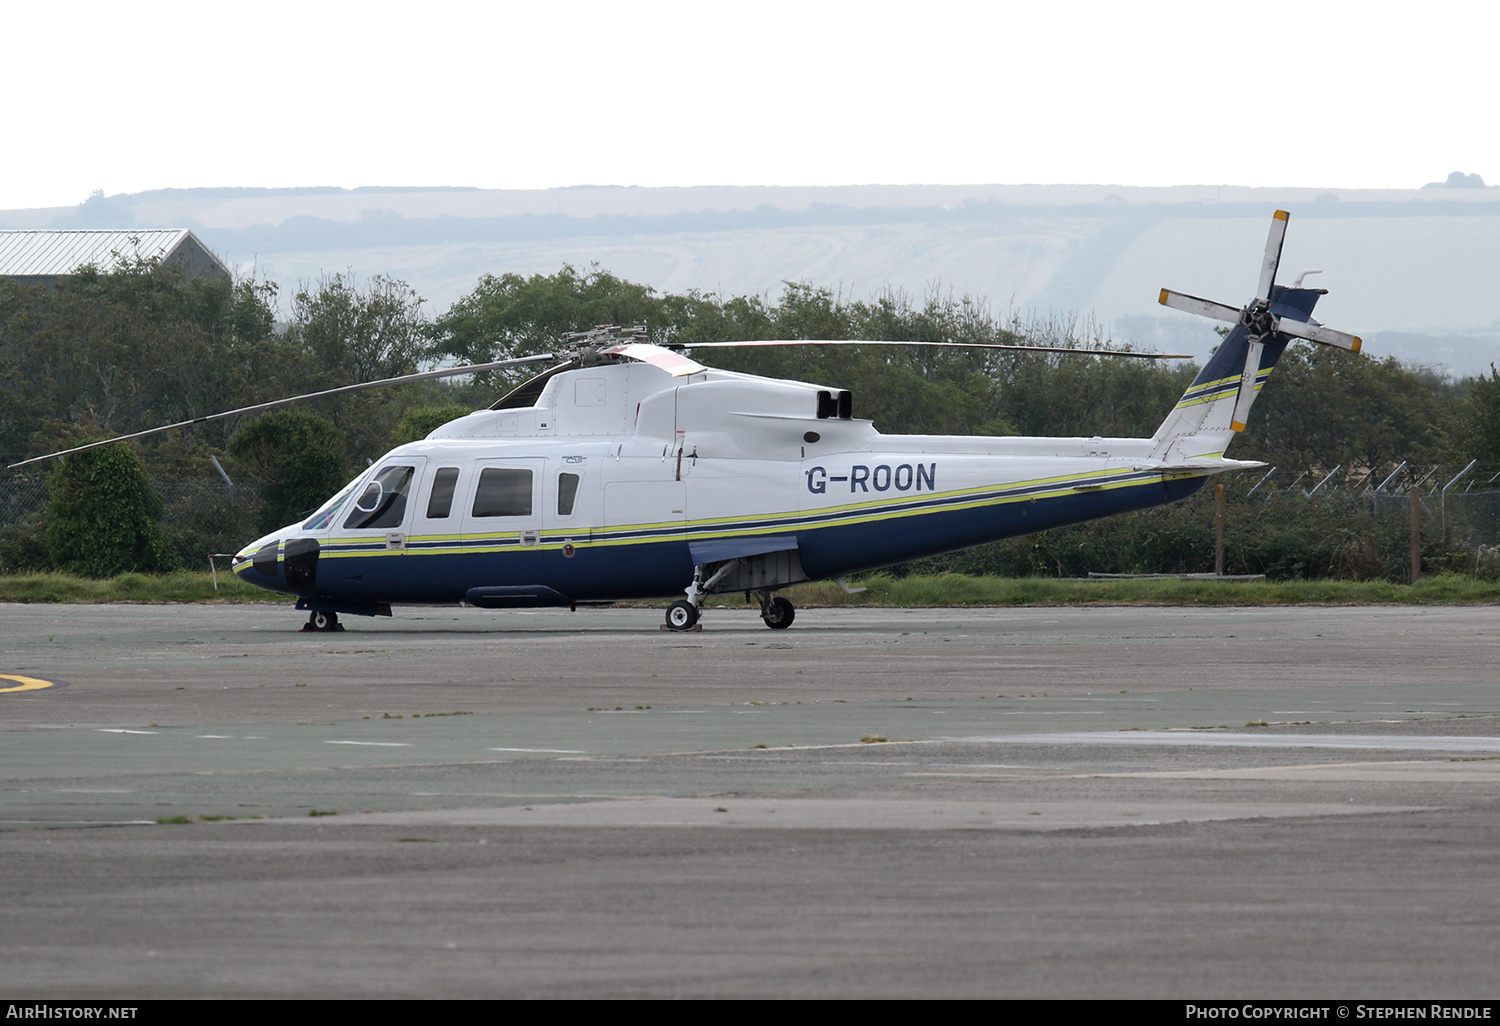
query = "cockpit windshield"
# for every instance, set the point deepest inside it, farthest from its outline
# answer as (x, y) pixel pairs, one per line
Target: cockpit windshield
(324, 514)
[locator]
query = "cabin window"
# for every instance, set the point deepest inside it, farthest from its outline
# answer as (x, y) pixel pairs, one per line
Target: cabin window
(440, 502)
(503, 492)
(383, 501)
(567, 491)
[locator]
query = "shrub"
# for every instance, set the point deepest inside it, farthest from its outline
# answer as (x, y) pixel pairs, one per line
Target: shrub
(103, 517)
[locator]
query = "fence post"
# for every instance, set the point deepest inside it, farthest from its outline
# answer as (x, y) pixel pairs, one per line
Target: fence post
(1219, 528)
(225, 476)
(1416, 534)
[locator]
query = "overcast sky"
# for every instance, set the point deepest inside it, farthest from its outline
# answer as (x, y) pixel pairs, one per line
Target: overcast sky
(128, 97)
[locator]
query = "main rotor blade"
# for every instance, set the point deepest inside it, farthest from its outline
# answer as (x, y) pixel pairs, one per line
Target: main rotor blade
(1273, 255)
(661, 358)
(446, 372)
(948, 345)
(1318, 333)
(1201, 307)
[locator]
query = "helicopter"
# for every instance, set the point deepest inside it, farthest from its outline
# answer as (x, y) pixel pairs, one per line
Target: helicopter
(631, 470)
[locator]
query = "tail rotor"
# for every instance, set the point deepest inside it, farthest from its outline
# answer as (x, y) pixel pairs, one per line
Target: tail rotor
(1219, 401)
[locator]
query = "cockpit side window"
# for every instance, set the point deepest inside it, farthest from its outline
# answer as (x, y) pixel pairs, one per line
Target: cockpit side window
(383, 501)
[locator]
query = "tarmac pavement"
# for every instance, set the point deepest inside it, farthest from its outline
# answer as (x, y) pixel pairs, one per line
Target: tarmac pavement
(1101, 802)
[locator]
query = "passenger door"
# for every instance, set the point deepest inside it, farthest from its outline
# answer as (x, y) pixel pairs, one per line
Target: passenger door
(502, 522)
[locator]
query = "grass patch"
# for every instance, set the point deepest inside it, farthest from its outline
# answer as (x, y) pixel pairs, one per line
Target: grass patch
(936, 590)
(184, 586)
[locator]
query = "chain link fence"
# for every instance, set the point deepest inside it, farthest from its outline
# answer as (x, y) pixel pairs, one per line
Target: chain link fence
(199, 517)
(1460, 503)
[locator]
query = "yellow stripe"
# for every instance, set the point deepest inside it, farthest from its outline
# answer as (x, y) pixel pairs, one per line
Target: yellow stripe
(27, 683)
(702, 530)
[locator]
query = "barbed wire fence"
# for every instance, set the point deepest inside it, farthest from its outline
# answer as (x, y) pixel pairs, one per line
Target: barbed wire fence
(1458, 505)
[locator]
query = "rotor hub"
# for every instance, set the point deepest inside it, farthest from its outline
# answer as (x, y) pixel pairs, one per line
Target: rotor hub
(1257, 318)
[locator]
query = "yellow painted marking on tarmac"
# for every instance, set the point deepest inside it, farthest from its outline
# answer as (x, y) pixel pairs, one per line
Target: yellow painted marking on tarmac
(25, 683)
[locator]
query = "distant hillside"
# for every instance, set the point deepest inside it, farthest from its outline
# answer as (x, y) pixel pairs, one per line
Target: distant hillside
(1412, 270)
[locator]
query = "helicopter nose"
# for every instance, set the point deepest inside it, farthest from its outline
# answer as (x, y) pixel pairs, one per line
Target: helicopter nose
(281, 565)
(258, 566)
(299, 564)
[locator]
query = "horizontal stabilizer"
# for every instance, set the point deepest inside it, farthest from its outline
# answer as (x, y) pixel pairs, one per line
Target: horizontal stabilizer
(1204, 465)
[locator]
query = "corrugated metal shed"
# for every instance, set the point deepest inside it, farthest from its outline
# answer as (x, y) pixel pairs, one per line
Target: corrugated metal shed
(40, 255)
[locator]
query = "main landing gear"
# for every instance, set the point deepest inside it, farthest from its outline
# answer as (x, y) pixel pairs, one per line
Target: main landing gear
(682, 615)
(322, 622)
(777, 612)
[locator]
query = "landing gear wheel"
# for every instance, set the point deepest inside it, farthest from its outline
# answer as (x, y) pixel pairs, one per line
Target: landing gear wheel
(322, 623)
(681, 615)
(778, 613)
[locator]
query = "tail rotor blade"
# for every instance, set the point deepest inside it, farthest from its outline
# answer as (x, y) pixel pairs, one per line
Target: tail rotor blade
(1318, 333)
(1201, 307)
(1247, 386)
(1273, 255)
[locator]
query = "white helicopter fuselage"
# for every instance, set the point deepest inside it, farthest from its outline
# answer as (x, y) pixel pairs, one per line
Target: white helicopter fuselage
(625, 480)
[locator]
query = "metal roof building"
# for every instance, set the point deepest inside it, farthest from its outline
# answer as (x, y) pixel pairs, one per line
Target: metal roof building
(43, 256)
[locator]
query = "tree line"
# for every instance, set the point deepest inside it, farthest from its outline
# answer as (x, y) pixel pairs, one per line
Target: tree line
(111, 352)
